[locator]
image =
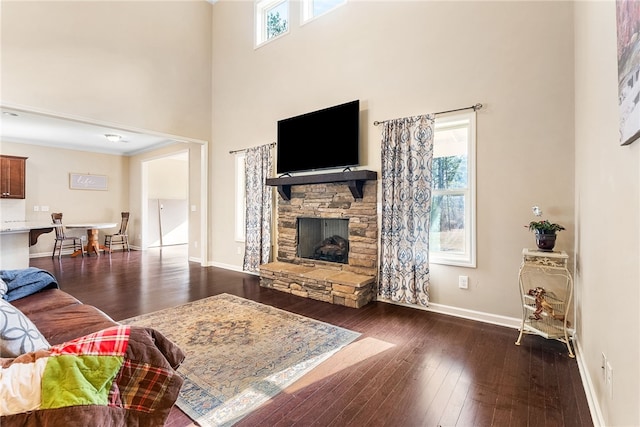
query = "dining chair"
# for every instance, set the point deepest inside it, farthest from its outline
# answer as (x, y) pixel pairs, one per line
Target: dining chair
(62, 240)
(121, 237)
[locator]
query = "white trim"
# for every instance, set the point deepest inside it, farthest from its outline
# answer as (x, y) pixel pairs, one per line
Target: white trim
(232, 268)
(589, 389)
(306, 11)
(261, 7)
(204, 204)
(494, 319)
(467, 260)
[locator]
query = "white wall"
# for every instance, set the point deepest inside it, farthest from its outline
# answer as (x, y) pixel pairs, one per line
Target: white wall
(408, 58)
(145, 64)
(607, 222)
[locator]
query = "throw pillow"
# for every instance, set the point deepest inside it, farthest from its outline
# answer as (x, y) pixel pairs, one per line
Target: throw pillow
(18, 334)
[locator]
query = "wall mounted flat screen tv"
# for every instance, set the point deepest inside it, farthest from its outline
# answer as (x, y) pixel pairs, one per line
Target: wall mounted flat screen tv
(322, 139)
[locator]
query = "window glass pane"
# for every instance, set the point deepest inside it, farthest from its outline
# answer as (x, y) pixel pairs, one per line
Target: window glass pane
(451, 234)
(450, 145)
(322, 6)
(314, 8)
(277, 19)
(447, 231)
(449, 173)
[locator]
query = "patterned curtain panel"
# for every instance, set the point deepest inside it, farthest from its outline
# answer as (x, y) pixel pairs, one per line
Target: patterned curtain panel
(257, 246)
(407, 154)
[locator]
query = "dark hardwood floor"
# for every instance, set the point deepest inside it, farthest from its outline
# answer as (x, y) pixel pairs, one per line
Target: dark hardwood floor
(409, 367)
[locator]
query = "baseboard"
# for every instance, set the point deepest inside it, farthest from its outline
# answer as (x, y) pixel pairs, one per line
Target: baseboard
(44, 254)
(589, 390)
(232, 267)
(494, 319)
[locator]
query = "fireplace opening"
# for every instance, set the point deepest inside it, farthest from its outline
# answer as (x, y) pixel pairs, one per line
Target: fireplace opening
(325, 239)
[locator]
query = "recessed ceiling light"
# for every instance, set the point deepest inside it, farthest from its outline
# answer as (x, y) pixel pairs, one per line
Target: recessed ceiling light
(112, 137)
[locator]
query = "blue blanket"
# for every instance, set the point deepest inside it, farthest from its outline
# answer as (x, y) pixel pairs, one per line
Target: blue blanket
(26, 281)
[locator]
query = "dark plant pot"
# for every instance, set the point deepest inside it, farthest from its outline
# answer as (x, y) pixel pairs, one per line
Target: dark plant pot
(545, 241)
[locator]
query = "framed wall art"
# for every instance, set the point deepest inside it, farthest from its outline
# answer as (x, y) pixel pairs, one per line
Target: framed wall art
(628, 32)
(78, 181)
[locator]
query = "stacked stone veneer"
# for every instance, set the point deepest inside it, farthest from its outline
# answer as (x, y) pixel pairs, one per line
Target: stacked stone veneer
(352, 284)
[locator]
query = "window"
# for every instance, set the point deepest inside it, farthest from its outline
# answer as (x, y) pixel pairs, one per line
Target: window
(452, 232)
(314, 8)
(272, 19)
(240, 198)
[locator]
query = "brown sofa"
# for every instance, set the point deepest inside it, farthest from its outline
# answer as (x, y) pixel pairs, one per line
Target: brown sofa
(61, 318)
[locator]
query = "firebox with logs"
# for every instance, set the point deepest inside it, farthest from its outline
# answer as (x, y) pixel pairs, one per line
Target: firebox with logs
(332, 249)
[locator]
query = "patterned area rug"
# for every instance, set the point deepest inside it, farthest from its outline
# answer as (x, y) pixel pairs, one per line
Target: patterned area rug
(240, 353)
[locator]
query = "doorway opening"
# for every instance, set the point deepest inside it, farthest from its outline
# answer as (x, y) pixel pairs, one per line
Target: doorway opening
(167, 200)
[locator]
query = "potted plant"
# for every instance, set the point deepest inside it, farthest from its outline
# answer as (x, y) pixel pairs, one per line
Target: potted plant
(545, 233)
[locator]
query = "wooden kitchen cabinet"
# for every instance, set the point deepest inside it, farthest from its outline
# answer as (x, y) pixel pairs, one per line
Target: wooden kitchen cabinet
(12, 177)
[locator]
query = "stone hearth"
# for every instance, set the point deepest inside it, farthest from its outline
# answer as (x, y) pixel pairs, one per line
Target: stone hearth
(352, 284)
(334, 286)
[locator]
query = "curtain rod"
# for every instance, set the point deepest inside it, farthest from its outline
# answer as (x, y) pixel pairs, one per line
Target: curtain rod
(273, 144)
(475, 107)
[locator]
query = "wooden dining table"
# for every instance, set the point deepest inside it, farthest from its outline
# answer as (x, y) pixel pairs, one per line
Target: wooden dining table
(93, 241)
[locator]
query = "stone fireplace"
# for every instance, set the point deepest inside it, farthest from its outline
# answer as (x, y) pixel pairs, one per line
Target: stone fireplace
(327, 239)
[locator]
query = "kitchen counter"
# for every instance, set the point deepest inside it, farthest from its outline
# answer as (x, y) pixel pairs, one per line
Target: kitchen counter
(20, 226)
(15, 239)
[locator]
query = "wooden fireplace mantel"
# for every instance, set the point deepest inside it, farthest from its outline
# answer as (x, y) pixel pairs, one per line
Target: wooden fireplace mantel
(354, 179)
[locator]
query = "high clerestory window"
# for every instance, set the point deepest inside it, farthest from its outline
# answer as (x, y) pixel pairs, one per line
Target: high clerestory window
(313, 8)
(272, 20)
(272, 17)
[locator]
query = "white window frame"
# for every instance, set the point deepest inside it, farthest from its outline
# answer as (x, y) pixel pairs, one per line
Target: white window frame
(262, 8)
(467, 258)
(240, 198)
(306, 10)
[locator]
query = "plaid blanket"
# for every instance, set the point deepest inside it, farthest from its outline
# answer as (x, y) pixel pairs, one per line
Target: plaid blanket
(118, 376)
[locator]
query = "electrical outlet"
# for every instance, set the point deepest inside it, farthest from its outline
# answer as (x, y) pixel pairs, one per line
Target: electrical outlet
(36, 208)
(44, 208)
(463, 282)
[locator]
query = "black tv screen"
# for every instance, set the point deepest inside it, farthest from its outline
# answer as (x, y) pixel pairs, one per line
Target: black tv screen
(323, 139)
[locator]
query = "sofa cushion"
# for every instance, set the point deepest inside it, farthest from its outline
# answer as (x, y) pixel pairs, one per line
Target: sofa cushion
(44, 301)
(61, 317)
(18, 334)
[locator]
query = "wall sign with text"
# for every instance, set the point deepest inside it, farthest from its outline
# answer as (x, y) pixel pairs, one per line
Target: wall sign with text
(79, 181)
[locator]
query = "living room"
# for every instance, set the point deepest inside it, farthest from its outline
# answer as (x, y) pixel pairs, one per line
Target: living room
(544, 71)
